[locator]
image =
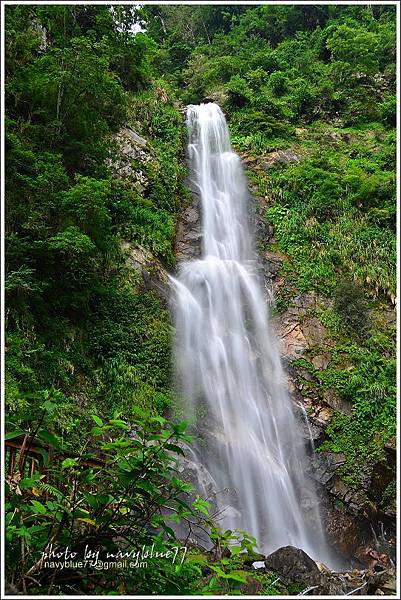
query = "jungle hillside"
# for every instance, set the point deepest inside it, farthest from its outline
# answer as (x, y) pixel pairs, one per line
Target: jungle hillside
(98, 214)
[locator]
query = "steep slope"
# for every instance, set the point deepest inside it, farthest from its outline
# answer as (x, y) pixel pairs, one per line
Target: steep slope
(97, 214)
(94, 181)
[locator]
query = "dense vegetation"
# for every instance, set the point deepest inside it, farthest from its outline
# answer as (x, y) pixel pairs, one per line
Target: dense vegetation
(76, 328)
(86, 341)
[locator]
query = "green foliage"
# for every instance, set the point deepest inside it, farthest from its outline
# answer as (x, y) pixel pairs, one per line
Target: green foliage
(124, 496)
(390, 494)
(369, 385)
(389, 110)
(84, 336)
(350, 303)
(238, 91)
(278, 83)
(128, 500)
(86, 205)
(78, 324)
(334, 218)
(319, 61)
(130, 336)
(73, 97)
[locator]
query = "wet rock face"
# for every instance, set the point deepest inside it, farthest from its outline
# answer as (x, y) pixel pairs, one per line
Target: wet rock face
(189, 230)
(322, 466)
(344, 510)
(344, 531)
(188, 241)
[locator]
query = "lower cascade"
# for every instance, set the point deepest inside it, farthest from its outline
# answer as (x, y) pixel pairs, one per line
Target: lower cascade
(248, 451)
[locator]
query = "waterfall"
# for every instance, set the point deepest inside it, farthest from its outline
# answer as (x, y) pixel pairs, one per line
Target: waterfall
(307, 423)
(228, 366)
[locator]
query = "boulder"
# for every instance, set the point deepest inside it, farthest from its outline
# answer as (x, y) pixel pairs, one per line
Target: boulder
(338, 136)
(321, 361)
(218, 96)
(283, 157)
(331, 398)
(315, 333)
(189, 229)
(294, 566)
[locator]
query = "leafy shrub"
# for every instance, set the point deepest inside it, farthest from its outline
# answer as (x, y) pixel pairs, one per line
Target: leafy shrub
(124, 496)
(238, 91)
(389, 111)
(127, 499)
(278, 83)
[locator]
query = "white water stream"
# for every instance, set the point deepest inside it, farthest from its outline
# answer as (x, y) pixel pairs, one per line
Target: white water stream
(230, 377)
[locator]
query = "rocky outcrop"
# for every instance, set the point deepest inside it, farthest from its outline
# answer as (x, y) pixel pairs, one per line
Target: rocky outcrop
(218, 96)
(300, 330)
(294, 567)
(302, 335)
(131, 157)
(282, 157)
(129, 164)
(322, 466)
(146, 270)
(272, 159)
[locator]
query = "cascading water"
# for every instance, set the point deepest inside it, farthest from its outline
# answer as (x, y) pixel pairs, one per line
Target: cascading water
(248, 446)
